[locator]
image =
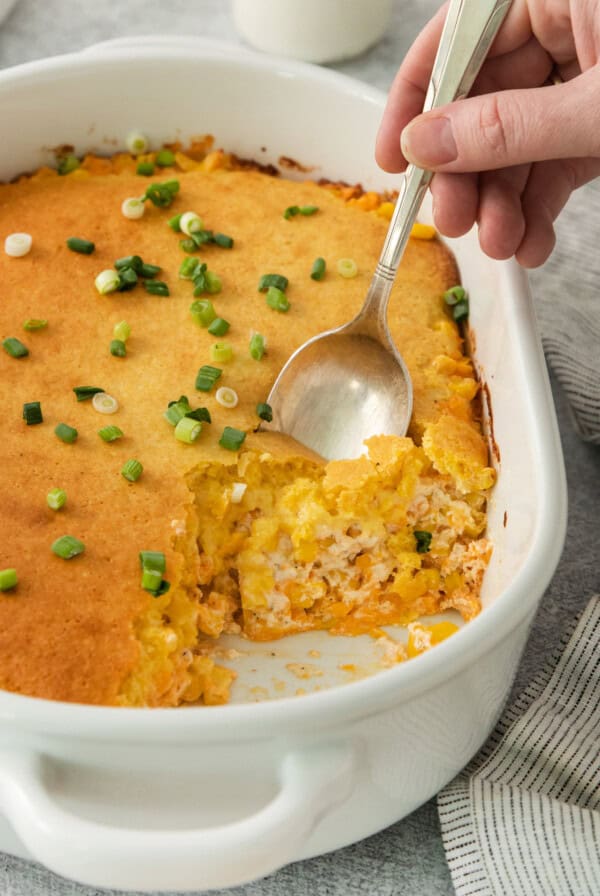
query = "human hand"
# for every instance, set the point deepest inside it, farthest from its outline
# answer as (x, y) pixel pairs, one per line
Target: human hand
(509, 156)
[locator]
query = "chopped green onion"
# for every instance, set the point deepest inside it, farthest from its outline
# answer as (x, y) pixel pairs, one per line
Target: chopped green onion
(206, 378)
(258, 345)
(454, 295)
(157, 287)
(201, 414)
(84, 247)
(189, 268)
(107, 281)
(222, 240)
(153, 560)
(8, 579)
(129, 261)
(118, 349)
(67, 547)
(165, 158)
(122, 331)
(218, 327)
(110, 433)
(67, 164)
(460, 311)
(105, 403)
(203, 312)
(347, 268)
(83, 393)
(32, 413)
(200, 237)
(136, 143)
(146, 169)
(232, 439)
(176, 412)
(199, 280)
(132, 470)
(190, 223)
(188, 430)
(16, 245)
(56, 498)
(162, 195)
(66, 433)
(128, 279)
(318, 269)
(149, 270)
(133, 208)
(423, 540)
(276, 280)
(264, 411)
(213, 283)
(15, 348)
(294, 210)
(34, 324)
(277, 299)
(151, 579)
(188, 245)
(221, 352)
(175, 222)
(226, 397)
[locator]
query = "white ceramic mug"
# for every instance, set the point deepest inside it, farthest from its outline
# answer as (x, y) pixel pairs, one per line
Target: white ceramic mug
(312, 30)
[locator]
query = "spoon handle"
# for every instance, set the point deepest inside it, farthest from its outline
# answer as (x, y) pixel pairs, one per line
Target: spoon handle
(470, 28)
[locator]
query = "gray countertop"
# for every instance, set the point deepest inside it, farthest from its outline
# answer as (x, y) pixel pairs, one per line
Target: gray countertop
(407, 858)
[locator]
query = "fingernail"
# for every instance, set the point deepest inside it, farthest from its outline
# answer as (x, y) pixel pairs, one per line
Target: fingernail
(429, 142)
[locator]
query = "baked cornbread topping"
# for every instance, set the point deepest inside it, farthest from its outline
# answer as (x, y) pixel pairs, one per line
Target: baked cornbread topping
(237, 532)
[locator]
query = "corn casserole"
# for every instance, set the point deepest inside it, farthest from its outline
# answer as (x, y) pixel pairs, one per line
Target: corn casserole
(143, 514)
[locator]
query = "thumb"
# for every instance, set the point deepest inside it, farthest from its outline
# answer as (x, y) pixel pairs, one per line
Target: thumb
(497, 130)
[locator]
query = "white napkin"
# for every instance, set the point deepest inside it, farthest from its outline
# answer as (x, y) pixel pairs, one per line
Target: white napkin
(523, 818)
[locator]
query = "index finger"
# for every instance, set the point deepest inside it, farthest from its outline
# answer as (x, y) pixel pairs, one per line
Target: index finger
(407, 93)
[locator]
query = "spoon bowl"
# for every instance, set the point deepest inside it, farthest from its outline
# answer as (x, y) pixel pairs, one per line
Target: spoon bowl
(348, 384)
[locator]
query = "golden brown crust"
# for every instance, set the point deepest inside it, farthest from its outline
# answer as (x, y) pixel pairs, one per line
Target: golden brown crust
(68, 631)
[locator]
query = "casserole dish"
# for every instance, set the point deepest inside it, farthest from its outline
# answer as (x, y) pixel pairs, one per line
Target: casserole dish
(192, 799)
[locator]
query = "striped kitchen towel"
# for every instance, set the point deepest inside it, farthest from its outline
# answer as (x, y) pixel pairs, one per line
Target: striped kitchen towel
(523, 818)
(567, 296)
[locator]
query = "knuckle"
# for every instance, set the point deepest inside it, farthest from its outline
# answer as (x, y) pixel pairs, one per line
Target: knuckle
(493, 128)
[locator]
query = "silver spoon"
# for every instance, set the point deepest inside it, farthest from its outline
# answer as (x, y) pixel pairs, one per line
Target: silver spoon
(350, 383)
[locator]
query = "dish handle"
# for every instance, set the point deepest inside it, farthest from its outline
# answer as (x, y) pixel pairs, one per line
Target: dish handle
(312, 782)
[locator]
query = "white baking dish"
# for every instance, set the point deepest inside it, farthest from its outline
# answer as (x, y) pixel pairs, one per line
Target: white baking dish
(211, 797)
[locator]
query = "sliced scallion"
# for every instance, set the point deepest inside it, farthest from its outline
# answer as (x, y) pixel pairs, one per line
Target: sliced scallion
(347, 268)
(156, 287)
(77, 244)
(276, 280)
(207, 377)
(133, 208)
(213, 283)
(203, 312)
(221, 352)
(201, 414)
(146, 169)
(226, 397)
(136, 143)
(56, 498)
(188, 430)
(118, 349)
(277, 300)
(190, 223)
(264, 411)
(16, 245)
(318, 269)
(110, 433)
(122, 331)
(35, 324)
(149, 270)
(153, 560)
(455, 294)
(189, 268)
(188, 246)
(84, 393)
(162, 195)
(105, 403)
(222, 240)
(129, 261)
(67, 164)
(32, 413)
(128, 279)
(232, 439)
(67, 547)
(8, 579)
(164, 158)
(175, 222)
(15, 348)
(219, 326)
(107, 281)
(423, 541)
(257, 346)
(132, 470)
(66, 433)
